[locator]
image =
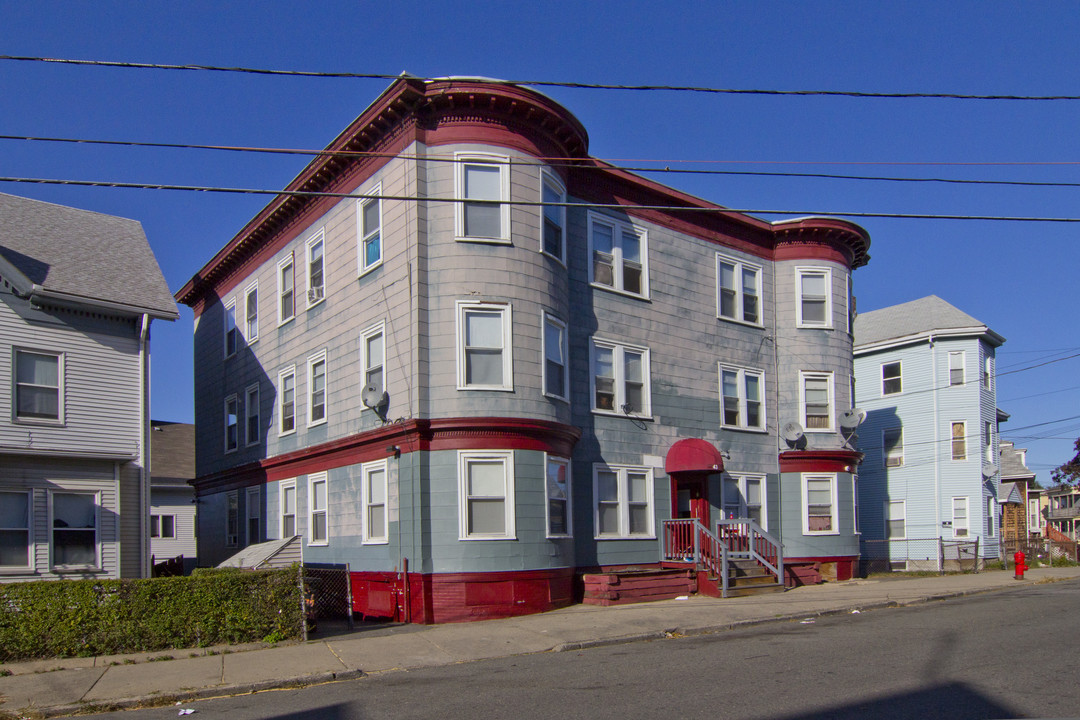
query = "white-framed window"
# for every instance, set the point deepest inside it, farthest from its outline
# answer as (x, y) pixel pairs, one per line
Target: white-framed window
(892, 447)
(253, 510)
(286, 289)
(960, 518)
(743, 496)
(485, 350)
(483, 185)
(369, 231)
(232, 518)
(251, 312)
(988, 441)
(959, 441)
(373, 356)
(232, 333)
(896, 520)
(991, 513)
(74, 529)
(553, 236)
(956, 368)
(855, 501)
(738, 290)
(163, 526)
(624, 501)
(316, 377)
(486, 495)
(988, 372)
(556, 366)
(816, 401)
(15, 531)
(252, 422)
(849, 299)
(374, 491)
(742, 394)
(619, 256)
(232, 423)
(318, 529)
(557, 485)
(814, 307)
(286, 401)
(39, 386)
(287, 508)
(316, 268)
(819, 504)
(892, 380)
(620, 379)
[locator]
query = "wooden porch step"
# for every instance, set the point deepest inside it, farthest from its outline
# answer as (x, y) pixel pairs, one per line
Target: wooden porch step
(745, 590)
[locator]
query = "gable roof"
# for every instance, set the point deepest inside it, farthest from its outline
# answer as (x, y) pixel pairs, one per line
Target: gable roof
(172, 453)
(77, 256)
(917, 320)
(1009, 494)
(1012, 463)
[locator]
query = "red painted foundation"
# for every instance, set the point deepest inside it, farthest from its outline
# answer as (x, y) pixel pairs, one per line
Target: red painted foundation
(815, 570)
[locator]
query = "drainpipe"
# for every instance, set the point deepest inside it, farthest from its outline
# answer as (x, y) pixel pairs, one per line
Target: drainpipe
(937, 436)
(144, 443)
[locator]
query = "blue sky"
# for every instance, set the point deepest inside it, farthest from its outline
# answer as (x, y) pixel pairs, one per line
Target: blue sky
(1017, 277)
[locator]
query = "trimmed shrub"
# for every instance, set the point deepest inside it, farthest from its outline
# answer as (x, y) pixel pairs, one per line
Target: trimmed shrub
(70, 618)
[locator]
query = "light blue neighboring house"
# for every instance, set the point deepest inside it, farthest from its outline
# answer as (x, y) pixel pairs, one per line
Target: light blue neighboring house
(925, 376)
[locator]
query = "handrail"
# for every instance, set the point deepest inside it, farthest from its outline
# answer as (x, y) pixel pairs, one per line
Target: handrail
(688, 540)
(749, 541)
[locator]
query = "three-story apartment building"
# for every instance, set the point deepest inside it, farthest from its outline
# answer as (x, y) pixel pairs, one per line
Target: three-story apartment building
(471, 361)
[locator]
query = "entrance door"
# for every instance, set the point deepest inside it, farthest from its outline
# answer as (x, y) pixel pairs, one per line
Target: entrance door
(689, 495)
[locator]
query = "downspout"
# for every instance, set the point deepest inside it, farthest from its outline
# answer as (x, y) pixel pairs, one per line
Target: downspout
(937, 436)
(144, 444)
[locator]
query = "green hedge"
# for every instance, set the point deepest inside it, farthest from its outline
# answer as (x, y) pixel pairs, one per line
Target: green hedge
(69, 618)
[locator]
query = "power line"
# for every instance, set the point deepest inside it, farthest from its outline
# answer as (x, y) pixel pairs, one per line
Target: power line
(526, 203)
(541, 83)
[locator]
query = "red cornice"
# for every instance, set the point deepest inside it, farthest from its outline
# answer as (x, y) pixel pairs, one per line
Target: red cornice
(487, 433)
(843, 461)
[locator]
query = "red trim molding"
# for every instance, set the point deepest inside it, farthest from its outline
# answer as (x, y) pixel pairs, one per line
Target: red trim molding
(843, 461)
(487, 433)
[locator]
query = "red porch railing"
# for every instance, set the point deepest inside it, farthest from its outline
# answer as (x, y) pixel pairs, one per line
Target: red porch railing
(687, 540)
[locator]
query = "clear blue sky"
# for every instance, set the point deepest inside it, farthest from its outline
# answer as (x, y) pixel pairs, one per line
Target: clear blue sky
(1019, 278)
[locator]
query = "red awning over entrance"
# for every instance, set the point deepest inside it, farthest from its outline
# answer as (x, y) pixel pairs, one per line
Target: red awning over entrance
(693, 455)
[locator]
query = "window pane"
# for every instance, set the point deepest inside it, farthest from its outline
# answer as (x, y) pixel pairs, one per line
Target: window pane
(486, 478)
(318, 492)
(315, 265)
(377, 487)
(483, 329)
(289, 500)
(753, 491)
(487, 517)
(552, 222)
(37, 369)
(607, 486)
(73, 511)
(556, 480)
(482, 182)
(371, 217)
(168, 526)
(375, 350)
(371, 250)
(74, 547)
(15, 548)
(483, 367)
(637, 484)
(750, 293)
(557, 517)
(608, 518)
(14, 510)
(483, 221)
(318, 529)
(37, 402)
(639, 519)
(290, 525)
(376, 522)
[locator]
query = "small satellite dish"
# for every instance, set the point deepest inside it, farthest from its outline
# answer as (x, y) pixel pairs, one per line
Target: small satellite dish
(792, 432)
(375, 398)
(989, 469)
(852, 418)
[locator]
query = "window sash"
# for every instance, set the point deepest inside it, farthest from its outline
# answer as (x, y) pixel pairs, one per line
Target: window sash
(251, 313)
(620, 379)
(231, 333)
(286, 290)
(624, 502)
(892, 378)
(373, 356)
(741, 393)
(814, 288)
(38, 378)
(817, 401)
(485, 352)
(287, 402)
(738, 290)
(819, 505)
(557, 488)
(375, 489)
(288, 510)
(486, 496)
(619, 254)
(555, 358)
(317, 389)
(318, 532)
(959, 441)
(895, 520)
(316, 276)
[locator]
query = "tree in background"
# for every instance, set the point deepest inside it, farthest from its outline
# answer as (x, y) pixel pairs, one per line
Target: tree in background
(1068, 472)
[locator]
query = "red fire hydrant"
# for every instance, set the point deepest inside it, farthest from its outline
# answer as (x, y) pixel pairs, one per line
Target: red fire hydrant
(1020, 567)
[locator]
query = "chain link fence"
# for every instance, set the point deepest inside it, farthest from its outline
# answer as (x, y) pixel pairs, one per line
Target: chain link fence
(920, 555)
(327, 594)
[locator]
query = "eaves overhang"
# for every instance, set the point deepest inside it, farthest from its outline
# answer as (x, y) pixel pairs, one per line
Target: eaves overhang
(980, 331)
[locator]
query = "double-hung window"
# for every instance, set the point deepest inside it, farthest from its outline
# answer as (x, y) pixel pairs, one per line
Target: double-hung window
(991, 513)
(483, 185)
(286, 290)
(372, 356)
(252, 425)
(232, 423)
(374, 503)
(232, 518)
(624, 505)
(15, 529)
(486, 495)
(960, 518)
(287, 401)
(620, 379)
(232, 333)
(163, 526)
(317, 510)
(558, 496)
(619, 255)
(316, 376)
(814, 306)
(553, 196)
(556, 370)
(316, 268)
(988, 441)
(287, 507)
(988, 372)
(369, 231)
(895, 519)
(959, 441)
(892, 381)
(253, 508)
(738, 290)
(744, 497)
(819, 505)
(39, 382)
(74, 529)
(816, 401)
(742, 393)
(892, 447)
(956, 368)
(251, 312)
(484, 353)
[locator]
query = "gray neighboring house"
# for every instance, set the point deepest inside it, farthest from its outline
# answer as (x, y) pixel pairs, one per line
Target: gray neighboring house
(172, 497)
(78, 291)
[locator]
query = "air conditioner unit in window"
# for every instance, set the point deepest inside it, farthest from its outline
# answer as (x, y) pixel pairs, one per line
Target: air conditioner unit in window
(315, 294)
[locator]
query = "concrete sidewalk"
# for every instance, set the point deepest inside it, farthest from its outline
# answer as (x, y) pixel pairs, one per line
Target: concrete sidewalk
(49, 688)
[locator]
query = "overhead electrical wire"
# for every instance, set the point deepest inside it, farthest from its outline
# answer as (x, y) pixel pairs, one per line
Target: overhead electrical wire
(541, 83)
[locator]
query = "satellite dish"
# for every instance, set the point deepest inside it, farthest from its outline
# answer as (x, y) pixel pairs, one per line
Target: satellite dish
(989, 469)
(852, 418)
(792, 432)
(375, 398)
